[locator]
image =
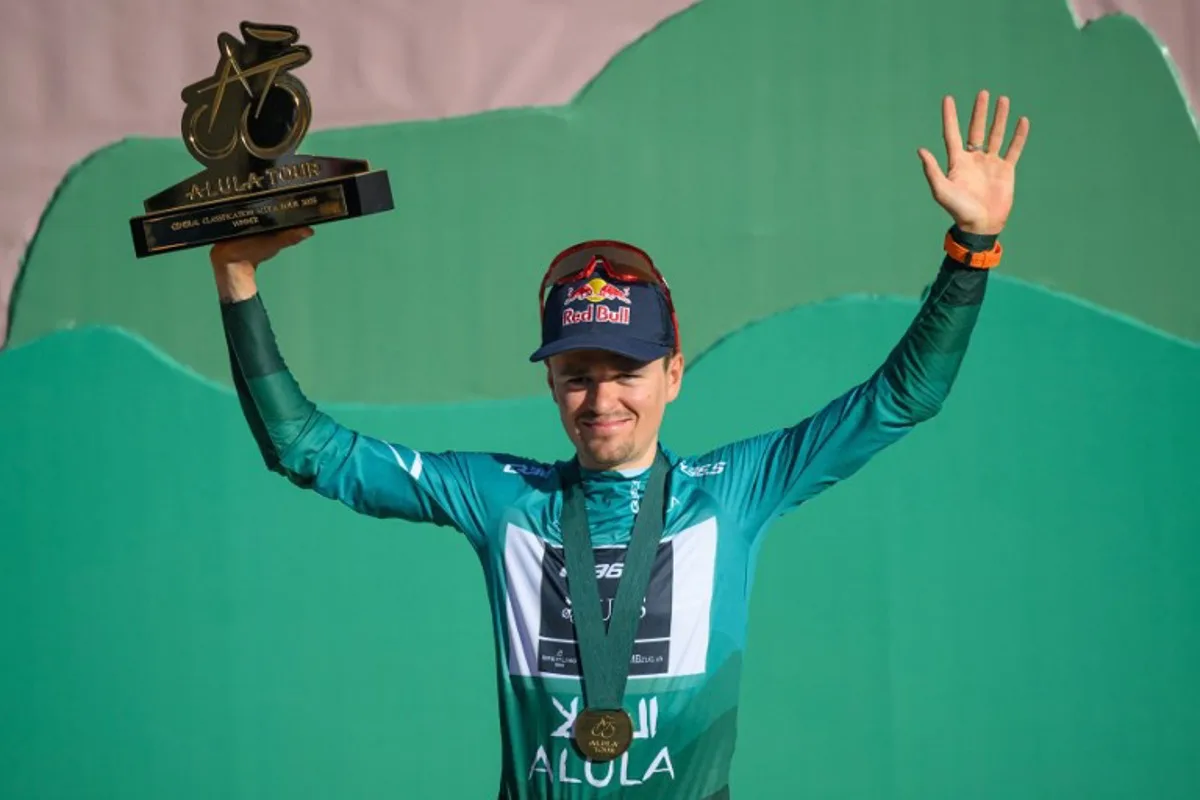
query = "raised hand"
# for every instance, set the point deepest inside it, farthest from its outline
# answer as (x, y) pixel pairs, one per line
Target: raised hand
(258, 248)
(234, 261)
(977, 189)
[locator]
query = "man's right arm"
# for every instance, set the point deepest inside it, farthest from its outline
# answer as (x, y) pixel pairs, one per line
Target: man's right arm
(313, 451)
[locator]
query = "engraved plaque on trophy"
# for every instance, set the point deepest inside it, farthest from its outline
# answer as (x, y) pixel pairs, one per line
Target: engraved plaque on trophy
(244, 124)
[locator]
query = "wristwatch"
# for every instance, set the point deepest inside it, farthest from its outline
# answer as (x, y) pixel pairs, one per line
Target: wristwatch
(980, 259)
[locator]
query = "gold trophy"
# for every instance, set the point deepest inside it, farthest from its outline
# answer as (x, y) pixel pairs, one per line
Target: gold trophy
(244, 124)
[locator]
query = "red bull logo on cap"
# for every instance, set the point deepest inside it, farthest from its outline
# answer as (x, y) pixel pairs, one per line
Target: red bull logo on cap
(616, 316)
(597, 290)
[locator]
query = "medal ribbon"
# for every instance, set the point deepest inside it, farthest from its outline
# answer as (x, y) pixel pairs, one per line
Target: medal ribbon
(604, 659)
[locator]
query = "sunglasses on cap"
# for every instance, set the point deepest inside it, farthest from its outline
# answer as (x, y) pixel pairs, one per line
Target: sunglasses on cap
(623, 262)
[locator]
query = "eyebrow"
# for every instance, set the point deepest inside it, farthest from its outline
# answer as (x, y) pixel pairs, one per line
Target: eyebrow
(618, 363)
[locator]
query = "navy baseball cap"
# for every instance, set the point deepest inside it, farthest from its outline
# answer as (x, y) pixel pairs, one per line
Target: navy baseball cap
(606, 295)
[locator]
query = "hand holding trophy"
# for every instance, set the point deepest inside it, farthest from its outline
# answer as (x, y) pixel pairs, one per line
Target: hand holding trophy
(244, 124)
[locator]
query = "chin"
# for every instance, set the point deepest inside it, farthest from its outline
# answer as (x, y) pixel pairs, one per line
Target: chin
(605, 457)
(611, 456)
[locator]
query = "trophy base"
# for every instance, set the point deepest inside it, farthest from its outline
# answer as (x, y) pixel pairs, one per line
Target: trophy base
(344, 197)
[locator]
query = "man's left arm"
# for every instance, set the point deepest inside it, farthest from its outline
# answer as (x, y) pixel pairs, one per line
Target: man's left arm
(779, 470)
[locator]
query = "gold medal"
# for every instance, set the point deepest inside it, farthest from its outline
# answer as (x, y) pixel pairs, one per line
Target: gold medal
(603, 734)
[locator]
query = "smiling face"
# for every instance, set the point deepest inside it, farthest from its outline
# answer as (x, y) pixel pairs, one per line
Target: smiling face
(611, 406)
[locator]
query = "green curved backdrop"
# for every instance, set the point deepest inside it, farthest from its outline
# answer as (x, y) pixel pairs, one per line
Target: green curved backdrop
(1006, 604)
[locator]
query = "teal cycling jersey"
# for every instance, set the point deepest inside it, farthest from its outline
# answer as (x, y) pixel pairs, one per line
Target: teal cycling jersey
(684, 675)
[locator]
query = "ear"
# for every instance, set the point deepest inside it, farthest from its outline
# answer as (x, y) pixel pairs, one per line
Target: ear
(674, 376)
(550, 379)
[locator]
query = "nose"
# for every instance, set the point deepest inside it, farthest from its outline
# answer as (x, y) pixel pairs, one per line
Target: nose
(603, 397)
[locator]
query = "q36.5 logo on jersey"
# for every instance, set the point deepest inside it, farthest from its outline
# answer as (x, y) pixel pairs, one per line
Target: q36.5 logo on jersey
(557, 652)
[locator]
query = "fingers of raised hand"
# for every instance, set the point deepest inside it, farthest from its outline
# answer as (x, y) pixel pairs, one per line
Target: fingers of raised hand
(978, 121)
(272, 243)
(1013, 154)
(999, 121)
(295, 235)
(259, 247)
(950, 131)
(933, 172)
(978, 125)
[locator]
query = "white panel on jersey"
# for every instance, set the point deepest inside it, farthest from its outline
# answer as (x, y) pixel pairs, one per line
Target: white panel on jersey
(695, 551)
(523, 570)
(672, 638)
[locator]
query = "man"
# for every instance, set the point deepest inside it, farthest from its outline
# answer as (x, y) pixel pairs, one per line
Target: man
(655, 714)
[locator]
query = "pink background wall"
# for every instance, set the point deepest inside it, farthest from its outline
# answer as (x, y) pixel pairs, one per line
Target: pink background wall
(80, 75)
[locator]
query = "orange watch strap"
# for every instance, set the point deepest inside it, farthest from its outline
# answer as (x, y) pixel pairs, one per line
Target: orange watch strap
(981, 260)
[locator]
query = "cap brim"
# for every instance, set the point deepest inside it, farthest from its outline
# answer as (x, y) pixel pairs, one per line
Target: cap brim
(630, 348)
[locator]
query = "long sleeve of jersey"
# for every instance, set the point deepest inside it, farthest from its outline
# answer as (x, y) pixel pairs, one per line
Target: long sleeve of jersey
(371, 476)
(777, 471)
(769, 474)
